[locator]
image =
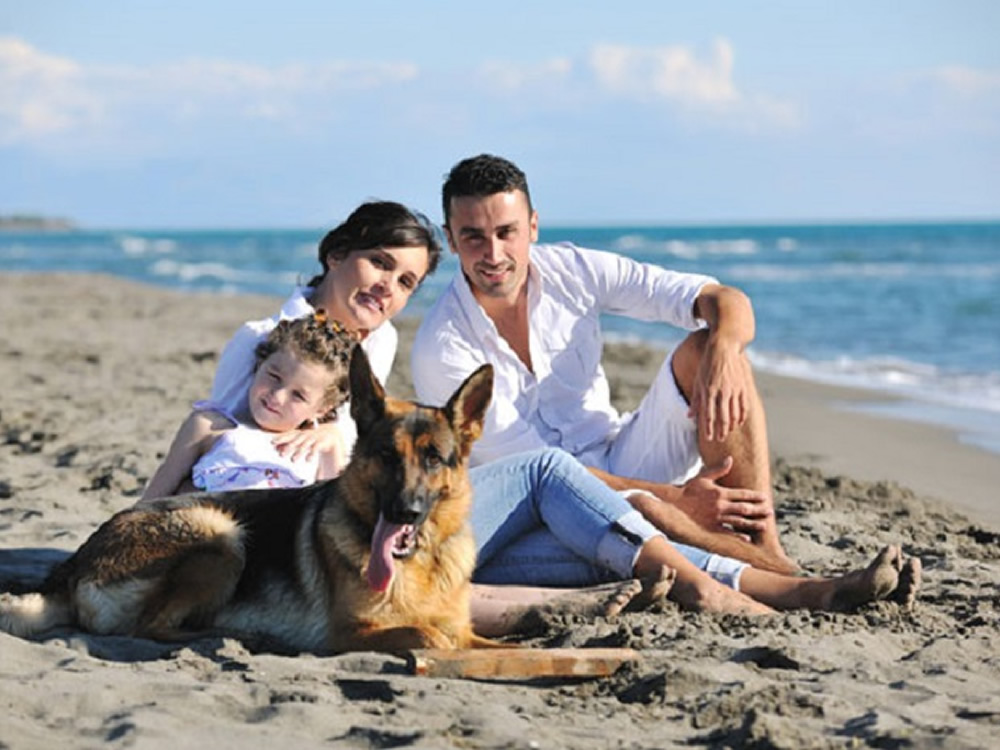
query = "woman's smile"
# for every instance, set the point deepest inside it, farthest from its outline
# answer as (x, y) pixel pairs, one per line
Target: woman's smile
(368, 287)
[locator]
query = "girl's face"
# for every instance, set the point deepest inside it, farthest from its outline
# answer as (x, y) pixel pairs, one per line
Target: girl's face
(369, 287)
(286, 392)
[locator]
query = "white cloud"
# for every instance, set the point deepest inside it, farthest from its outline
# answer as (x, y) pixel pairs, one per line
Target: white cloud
(672, 73)
(511, 77)
(58, 103)
(691, 88)
(967, 81)
(702, 90)
(42, 96)
(220, 77)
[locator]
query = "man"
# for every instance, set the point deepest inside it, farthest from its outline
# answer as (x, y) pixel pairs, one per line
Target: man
(698, 440)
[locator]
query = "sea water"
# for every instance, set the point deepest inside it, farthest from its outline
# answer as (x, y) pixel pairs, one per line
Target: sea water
(912, 310)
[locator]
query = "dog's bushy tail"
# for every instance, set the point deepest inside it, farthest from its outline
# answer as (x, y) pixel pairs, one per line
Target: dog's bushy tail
(26, 615)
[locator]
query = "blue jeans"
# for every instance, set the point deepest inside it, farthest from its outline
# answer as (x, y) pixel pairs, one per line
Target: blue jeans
(542, 519)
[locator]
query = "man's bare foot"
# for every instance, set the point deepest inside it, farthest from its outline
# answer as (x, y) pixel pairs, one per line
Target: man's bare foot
(882, 579)
(708, 595)
(785, 564)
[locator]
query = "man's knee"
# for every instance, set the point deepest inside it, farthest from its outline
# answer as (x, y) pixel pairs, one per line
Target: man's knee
(687, 359)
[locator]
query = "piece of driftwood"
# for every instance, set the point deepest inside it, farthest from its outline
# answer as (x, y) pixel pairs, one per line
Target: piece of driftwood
(518, 663)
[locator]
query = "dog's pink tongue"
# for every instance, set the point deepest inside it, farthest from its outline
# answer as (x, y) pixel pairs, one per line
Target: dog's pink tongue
(380, 565)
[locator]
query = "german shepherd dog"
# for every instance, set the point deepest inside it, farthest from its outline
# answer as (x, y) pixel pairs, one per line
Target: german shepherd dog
(378, 559)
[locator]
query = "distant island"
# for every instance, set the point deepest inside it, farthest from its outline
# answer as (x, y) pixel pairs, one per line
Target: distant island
(35, 223)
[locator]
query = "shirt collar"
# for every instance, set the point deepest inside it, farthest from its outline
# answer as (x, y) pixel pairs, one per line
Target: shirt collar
(482, 325)
(297, 306)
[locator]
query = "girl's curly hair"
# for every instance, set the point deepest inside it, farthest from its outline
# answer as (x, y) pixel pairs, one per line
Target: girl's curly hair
(316, 339)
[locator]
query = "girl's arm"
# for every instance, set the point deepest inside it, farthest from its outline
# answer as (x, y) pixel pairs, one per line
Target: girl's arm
(196, 435)
(332, 460)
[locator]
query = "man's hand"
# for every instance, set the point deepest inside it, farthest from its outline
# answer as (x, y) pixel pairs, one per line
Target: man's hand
(722, 389)
(719, 508)
(303, 445)
(720, 400)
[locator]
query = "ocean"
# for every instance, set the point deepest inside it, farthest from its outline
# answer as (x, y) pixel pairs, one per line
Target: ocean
(911, 310)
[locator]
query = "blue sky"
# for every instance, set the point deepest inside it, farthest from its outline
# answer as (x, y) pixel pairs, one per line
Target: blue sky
(253, 114)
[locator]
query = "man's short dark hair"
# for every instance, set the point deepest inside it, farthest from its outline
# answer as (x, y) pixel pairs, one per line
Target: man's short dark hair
(480, 177)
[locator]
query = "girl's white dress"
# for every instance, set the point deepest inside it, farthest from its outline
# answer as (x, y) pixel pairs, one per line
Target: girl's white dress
(244, 458)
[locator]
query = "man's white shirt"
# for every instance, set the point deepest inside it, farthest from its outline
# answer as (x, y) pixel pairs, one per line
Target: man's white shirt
(566, 401)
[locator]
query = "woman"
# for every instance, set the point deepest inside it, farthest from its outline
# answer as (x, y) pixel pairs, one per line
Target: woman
(539, 518)
(372, 263)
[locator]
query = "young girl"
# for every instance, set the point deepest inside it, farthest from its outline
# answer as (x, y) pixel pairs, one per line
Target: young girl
(299, 381)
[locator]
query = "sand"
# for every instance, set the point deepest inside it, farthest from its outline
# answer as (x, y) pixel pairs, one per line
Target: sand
(98, 373)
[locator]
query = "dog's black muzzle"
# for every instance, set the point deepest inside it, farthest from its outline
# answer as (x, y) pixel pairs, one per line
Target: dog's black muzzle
(408, 508)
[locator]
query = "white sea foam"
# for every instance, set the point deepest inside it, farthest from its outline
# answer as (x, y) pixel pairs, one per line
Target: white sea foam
(628, 243)
(898, 377)
(14, 251)
(188, 272)
(968, 403)
(637, 244)
(832, 271)
(132, 245)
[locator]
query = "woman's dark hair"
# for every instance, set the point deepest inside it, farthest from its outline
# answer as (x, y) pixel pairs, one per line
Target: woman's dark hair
(380, 224)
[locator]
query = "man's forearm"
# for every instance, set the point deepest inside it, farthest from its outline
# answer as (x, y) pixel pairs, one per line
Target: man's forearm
(680, 527)
(729, 314)
(666, 492)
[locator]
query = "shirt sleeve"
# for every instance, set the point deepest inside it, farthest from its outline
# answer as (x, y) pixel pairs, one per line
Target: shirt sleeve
(643, 291)
(236, 364)
(504, 432)
(381, 350)
(440, 364)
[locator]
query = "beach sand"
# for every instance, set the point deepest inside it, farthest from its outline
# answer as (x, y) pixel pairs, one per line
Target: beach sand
(99, 372)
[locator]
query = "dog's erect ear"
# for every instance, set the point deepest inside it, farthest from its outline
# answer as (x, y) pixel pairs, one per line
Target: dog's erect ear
(367, 394)
(466, 409)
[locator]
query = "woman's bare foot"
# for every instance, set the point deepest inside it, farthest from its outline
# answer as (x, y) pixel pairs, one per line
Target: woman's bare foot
(889, 576)
(909, 583)
(655, 588)
(603, 600)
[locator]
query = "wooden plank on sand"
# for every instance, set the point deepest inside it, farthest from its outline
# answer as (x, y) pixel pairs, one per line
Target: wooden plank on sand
(518, 663)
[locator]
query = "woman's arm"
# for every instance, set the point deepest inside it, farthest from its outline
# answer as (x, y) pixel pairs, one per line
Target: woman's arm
(332, 461)
(302, 445)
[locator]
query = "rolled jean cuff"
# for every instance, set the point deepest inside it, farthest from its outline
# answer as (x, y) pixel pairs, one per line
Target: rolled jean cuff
(725, 570)
(619, 548)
